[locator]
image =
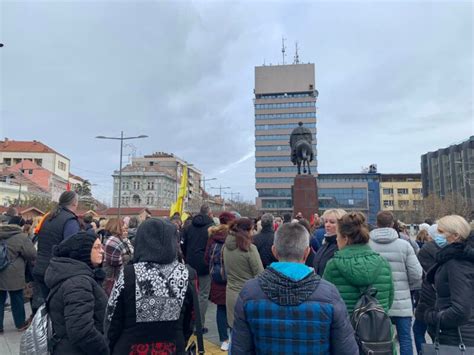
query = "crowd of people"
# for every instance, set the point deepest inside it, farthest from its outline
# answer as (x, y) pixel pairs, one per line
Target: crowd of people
(281, 284)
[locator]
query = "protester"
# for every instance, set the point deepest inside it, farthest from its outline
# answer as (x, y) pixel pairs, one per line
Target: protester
(453, 280)
(77, 301)
(288, 309)
(241, 262)
(310, 259)
(406, 274)
(318, 234)
(118, 252)
(329, 247)
(286, 218)
(356, 266)
(58, 226)
(278, 222)
(16, 249)
(195, 238)
(403, 233)
(88, 220)
(427, 258)
(422, 237)
(150, 308)
(132, 229)
(215, 259)
(264, 240)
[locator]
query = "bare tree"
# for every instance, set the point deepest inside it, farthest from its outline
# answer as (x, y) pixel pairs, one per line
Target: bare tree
(434, 207)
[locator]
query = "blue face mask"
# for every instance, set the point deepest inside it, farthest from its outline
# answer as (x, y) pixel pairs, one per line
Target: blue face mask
(440, 239)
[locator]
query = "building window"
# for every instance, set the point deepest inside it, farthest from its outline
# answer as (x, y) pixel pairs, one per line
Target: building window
(403, 204)
(388, 203)
(281, 116)
(7, 161)
(136, 199)
(136, 185)
(62, 165)
(387, 191)
(284, 105)
(417, 191)
(16, 161)
(417, 203)
(150, 200)
(125, 185)
(402, 191)
(150, 185)
(39, 162)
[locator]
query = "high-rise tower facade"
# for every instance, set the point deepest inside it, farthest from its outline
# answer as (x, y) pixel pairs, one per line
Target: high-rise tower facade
(284, 96)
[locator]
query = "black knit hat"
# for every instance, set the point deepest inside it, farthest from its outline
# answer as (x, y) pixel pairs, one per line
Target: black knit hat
(77, 247)
(156, 241)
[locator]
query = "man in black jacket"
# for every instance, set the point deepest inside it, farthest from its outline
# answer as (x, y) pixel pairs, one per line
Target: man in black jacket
(58, 226)
(264, 240)
(195, 238)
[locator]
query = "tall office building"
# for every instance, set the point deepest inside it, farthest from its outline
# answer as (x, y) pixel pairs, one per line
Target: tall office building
(284, 96)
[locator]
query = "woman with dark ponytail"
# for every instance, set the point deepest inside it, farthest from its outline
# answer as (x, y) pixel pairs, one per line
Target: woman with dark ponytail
(356, 266)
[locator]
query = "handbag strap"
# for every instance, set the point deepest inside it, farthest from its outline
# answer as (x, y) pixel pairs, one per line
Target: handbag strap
(462, 347)
(197, 316)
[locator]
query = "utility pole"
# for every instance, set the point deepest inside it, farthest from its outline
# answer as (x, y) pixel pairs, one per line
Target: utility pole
(121, 139)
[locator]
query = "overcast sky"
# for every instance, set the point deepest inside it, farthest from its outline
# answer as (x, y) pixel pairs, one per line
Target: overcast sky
(395, 80)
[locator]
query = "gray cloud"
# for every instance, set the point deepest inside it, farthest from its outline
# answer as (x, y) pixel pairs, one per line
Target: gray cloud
(395, 79)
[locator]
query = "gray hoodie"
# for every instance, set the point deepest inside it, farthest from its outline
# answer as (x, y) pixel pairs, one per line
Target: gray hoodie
(406, 269)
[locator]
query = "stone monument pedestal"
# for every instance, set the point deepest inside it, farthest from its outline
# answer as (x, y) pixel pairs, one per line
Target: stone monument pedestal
(305, 196)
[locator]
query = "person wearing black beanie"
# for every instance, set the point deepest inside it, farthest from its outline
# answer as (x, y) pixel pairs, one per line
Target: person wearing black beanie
(150, 306)
(77, 300)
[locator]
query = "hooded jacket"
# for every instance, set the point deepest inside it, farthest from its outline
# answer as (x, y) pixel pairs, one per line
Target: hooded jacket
(194, 243)
(264, 241)
(20, 250)
(150, 307)
(356, 267)
(240, 266)
(307, 315)
(453, 280)
(406, 270)
(77, 307)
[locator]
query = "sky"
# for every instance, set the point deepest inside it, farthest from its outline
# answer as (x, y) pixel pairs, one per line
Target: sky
(395, 80)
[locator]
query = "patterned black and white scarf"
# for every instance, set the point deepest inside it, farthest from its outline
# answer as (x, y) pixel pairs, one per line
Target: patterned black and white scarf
(159, 291)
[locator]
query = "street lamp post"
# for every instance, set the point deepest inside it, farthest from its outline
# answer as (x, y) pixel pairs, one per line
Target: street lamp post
(220, 188)
(121, 139)
(204, 183)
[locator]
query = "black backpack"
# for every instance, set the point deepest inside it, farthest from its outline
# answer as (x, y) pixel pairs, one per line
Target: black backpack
(372, 325)
(216, 267)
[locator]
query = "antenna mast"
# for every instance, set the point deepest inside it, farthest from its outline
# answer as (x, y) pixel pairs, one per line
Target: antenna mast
(283, 49)
(297, 58)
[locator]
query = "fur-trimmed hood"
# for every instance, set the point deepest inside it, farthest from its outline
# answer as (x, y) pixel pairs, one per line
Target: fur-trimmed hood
(218, 233)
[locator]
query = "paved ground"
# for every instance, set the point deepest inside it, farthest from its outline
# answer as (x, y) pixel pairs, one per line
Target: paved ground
(10, 339)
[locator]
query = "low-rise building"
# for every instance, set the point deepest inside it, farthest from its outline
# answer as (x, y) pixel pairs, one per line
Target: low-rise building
(14, 152)
(402, 194)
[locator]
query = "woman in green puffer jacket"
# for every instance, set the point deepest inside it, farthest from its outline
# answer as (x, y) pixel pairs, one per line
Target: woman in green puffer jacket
(356, 266)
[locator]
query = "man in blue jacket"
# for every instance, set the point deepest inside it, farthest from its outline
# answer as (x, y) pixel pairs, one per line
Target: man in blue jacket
(289, 309)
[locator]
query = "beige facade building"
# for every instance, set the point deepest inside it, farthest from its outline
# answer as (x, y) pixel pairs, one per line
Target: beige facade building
(284, 96)
(400, 192)
(152, 181)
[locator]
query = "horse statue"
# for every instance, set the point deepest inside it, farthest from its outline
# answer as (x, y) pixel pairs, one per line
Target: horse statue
(301, 148)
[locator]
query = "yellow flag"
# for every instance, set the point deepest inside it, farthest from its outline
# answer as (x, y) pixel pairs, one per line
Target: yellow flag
(183, 188)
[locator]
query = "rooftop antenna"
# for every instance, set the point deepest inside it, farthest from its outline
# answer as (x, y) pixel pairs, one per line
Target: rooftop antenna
(297, 58)
(283, 49)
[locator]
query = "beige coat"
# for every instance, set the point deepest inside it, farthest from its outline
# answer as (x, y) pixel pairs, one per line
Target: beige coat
(240, 266)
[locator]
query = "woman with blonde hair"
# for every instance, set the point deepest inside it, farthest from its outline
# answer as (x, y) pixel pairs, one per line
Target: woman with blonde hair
(329, 247)
(452, 319)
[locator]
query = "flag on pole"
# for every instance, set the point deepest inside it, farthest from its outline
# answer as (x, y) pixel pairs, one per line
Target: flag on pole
(183, 188)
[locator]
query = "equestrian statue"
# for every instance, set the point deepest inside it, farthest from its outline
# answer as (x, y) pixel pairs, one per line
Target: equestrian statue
(301, 147)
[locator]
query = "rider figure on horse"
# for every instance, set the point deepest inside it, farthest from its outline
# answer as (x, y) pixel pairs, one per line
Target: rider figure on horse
(301, 133)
